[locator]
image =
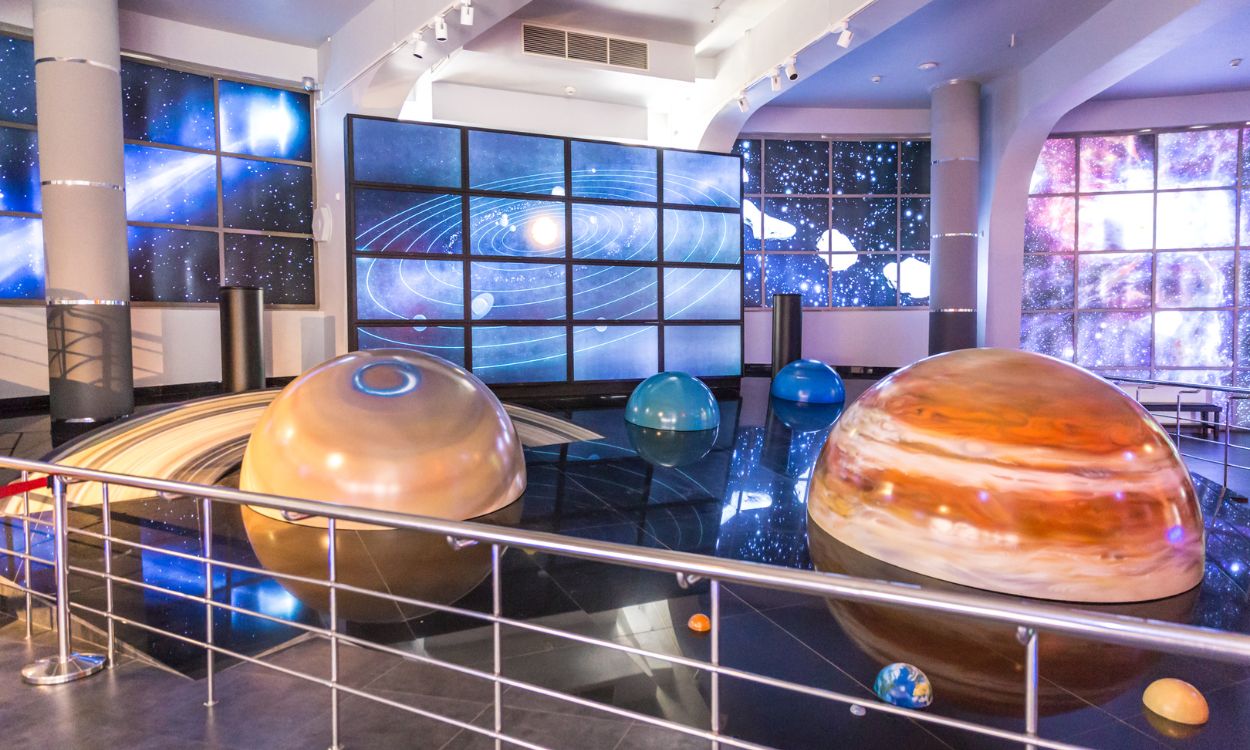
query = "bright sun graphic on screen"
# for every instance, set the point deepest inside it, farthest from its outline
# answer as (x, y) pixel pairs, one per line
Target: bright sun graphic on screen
(270, 122)
(544, 231)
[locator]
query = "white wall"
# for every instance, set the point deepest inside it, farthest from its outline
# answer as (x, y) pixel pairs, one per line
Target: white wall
(1158, 112)
(180, 345)
(871, 338)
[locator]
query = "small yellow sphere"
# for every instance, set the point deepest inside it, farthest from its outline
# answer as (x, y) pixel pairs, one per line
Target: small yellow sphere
(1176, 700)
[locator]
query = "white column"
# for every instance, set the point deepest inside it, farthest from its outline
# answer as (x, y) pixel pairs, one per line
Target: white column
(955, 125)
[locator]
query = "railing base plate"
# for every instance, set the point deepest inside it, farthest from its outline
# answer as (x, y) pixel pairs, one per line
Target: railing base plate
(54, 671)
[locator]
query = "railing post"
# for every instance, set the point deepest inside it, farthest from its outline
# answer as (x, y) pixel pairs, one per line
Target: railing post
(107, 527)
(210, 656)
(66, 666)
(333, 566)
(496, 608)
(1028, 636)
(714, 658)
(26, 548)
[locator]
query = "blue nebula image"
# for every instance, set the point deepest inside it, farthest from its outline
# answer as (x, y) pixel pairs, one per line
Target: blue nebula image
(620, 233)
(441, 341)
(282, 266)
(170, 187)
(864, 167)
(796, 167)
(517, 291)
(863, 281)
(869, 224)
(264, 121)
(21, 258)
(416, 289)
(512, 226)
(405, 153)
(702, 236)
(19, 171)
(801, 273)
(615, 352)
(752, 276)
(699, 179)
(520, 354)
(614, 292)
(915, 163)
(17, 80)
(390, 221)
(704, 351)
(512, 163)
(173, 265)
(914, 224)
(702, 294)
(167, 106)
(266, 195)
(752, 159)
(796, 224)
(609, 170)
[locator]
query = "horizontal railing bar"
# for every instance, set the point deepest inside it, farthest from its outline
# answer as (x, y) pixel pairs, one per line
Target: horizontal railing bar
(1179, 384)
(672, 658)
(1167, 637)
(307, 677)
(26, 556)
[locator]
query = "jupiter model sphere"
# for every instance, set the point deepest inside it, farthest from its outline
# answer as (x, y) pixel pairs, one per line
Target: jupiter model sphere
(1012, 472)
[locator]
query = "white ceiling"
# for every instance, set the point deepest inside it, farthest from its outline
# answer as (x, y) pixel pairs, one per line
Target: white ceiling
(1197, 67)
(968, 39)
(303, 22)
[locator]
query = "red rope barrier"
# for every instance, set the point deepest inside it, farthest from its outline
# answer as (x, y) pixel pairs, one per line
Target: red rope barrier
(17, 488)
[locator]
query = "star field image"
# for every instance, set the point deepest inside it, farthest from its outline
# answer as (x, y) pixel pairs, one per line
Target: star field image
(614, 292)
(516, 163)
(796, 224)
(405, 153)
(441, 341)
(21, 258)
(19, 170)
(1120, 162)
(796, 167)
(1196, 279)
(1050, 225)
(1113, 339)
(17, 80)
(266, 195)
(1198, 158)
(264, 121)
(752, 161)
(507, 294)
(1055, 171)
(390, 221)
(282, 266)
(699, 179)
(915, 165)
(613, 171)
(913, 279)
(171, 187)
(1194, 338)
(1048, 333)
(752, 278)
(619, 233)
(1116, 222)
(1114, 280)
(868, 223)
(862, 281)
(864, 167)
(1048, 281)
(1198, 218)
(160, 105)
(799, 273)
(173, 265)
(914, 224)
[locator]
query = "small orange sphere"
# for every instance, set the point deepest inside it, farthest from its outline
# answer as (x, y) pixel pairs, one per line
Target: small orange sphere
(699, 623)
(1176, 700)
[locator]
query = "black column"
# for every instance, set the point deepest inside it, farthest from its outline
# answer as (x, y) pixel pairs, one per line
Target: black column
(242, 339)
(787, 329)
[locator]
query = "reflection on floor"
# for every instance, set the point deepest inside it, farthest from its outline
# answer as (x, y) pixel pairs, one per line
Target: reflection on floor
(743, 500)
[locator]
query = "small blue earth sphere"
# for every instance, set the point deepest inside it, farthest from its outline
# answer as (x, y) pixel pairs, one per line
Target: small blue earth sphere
(673, 401)
(903, 685)
(809, 381)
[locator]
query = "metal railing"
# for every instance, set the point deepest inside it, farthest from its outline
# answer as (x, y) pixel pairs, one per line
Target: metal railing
(1223, 429)
(1031, 619)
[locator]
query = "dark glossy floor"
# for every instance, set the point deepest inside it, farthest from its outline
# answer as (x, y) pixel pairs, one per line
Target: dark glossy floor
(742, 500)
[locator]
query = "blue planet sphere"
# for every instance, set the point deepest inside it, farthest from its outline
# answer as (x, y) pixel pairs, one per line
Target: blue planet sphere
(903, 685)
(809, 381)
(673, 401)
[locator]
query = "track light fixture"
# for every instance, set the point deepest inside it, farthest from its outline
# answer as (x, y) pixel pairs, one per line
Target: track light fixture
(845, 36)
(440, 29)
(743, 104)
(419, 46)
(774, 79)
(466, 12)
(792, 70)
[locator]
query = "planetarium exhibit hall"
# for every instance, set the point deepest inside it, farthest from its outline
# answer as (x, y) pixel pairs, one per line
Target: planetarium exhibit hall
(580, 374)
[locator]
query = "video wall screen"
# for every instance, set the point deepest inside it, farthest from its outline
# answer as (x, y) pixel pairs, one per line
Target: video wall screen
(1135, 254)
(219, 184)
(536, 259)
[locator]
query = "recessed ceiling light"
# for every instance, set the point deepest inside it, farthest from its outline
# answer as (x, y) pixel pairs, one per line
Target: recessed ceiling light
(875, 79)
(930, 65)
(569, 91)
(1234, 62)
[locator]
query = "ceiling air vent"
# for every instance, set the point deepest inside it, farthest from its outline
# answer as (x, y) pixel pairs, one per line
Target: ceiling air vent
(592, 48)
